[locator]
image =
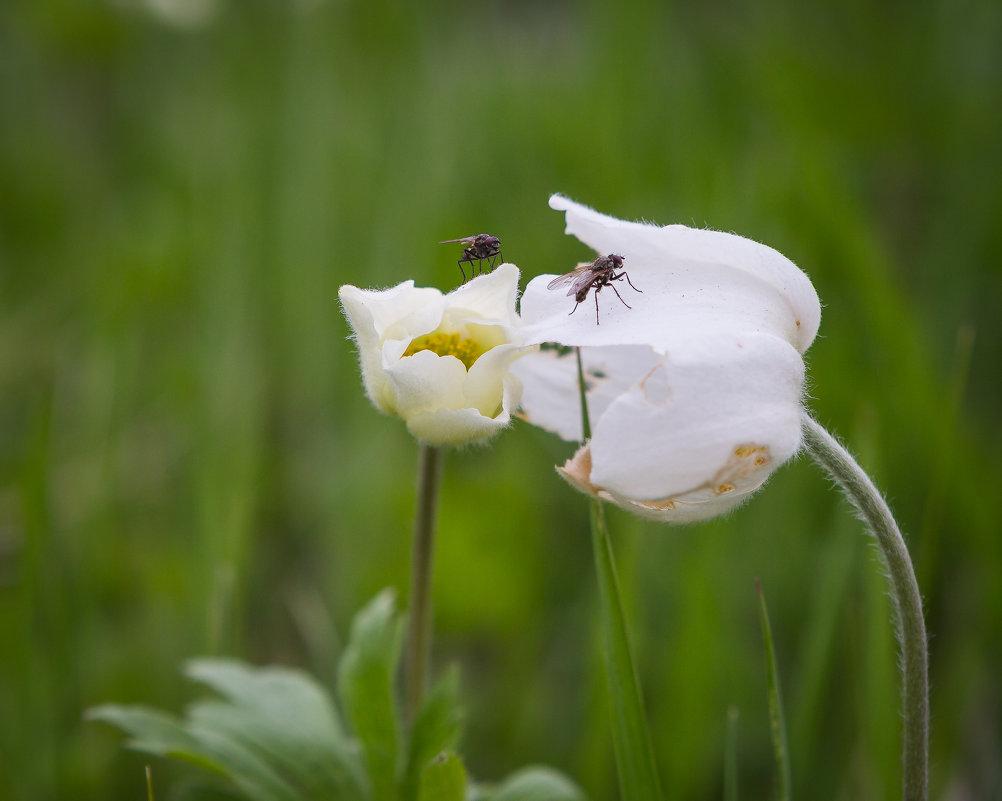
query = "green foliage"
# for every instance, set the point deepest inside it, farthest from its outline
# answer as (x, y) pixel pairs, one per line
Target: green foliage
(188, 465)
(275, 733)
(638, 773)
(534, 784)
(443, 779)
(436, 731)
(365, 681)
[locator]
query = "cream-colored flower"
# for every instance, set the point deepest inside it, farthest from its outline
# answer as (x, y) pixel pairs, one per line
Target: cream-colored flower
(694, 393)
(440, 362)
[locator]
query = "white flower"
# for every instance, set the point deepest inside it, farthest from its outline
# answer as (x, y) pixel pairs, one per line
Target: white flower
(694, 393)
(440, 362)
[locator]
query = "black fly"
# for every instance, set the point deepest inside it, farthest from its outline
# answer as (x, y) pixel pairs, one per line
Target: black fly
(600, 273)
(481, 248)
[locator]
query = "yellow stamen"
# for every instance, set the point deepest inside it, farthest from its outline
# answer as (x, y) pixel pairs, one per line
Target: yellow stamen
(466, 350)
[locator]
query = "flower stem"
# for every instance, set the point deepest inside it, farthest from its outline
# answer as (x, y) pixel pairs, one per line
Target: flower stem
(861, 492)
(419, 637)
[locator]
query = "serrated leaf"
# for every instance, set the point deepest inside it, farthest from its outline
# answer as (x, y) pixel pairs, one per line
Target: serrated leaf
(443, 779)
(158, 733)
(284, 717)
(252, 774)
(365, 681)
(436, 729)
(537, 784)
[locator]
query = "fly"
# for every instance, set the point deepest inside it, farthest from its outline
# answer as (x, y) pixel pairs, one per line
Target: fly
(480, 248)
(586, 277)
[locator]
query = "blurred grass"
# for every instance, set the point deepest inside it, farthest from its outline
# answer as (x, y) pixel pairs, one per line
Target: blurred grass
(188, 465)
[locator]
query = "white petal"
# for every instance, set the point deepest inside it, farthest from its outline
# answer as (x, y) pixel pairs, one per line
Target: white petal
(465, 426)
(483, 390)
(426, 381)
(550, 379)
(454, 427)
(710, 254)
(490, 296)
(679, 429)
(677, 304)
(403, 311)
(682, 509)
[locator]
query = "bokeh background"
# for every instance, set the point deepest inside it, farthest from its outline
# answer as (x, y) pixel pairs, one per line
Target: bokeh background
(188, 465)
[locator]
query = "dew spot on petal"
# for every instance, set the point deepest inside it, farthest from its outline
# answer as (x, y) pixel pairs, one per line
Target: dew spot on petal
(723, 489)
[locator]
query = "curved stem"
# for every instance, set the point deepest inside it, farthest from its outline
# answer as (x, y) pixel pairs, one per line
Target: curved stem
(862, 493)
(419, 637)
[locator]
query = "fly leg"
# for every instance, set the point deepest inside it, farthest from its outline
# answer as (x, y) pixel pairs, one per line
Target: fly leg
(618, 296)
(626, 275)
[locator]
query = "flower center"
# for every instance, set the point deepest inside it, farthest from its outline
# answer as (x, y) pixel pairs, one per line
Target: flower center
(466, 350)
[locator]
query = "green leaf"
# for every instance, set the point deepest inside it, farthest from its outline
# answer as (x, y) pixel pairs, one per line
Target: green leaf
(366, 684)
(537, 784)
(436, 729)
(200, 792)
(638, 775)
(443, 779)
(776, 717)
(157, 733)
(154, 732)
(275, 735)
(284, 717)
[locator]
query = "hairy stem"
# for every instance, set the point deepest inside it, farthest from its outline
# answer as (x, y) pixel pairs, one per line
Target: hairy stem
(418, 657)
(861, 492)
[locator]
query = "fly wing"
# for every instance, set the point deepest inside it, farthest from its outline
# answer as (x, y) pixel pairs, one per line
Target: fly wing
(572, 277)
(466, 240)
(582, 282)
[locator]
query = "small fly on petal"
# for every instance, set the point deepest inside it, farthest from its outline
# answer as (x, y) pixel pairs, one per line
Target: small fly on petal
(480, 248)
(585, 277)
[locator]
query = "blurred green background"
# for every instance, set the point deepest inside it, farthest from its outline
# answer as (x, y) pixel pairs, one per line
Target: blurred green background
(188, 465)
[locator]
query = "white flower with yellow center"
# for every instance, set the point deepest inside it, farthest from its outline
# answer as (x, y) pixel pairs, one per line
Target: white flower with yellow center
(440, 362)
(694, 393)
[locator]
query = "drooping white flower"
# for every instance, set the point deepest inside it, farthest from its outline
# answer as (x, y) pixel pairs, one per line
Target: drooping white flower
(694, 393)
(440, 362)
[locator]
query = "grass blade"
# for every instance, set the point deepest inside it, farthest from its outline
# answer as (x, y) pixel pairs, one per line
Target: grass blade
(638, 776)
(776, 717)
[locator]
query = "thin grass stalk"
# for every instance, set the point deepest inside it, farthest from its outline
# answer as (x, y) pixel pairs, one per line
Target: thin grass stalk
(777, 718)
(635, 764)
